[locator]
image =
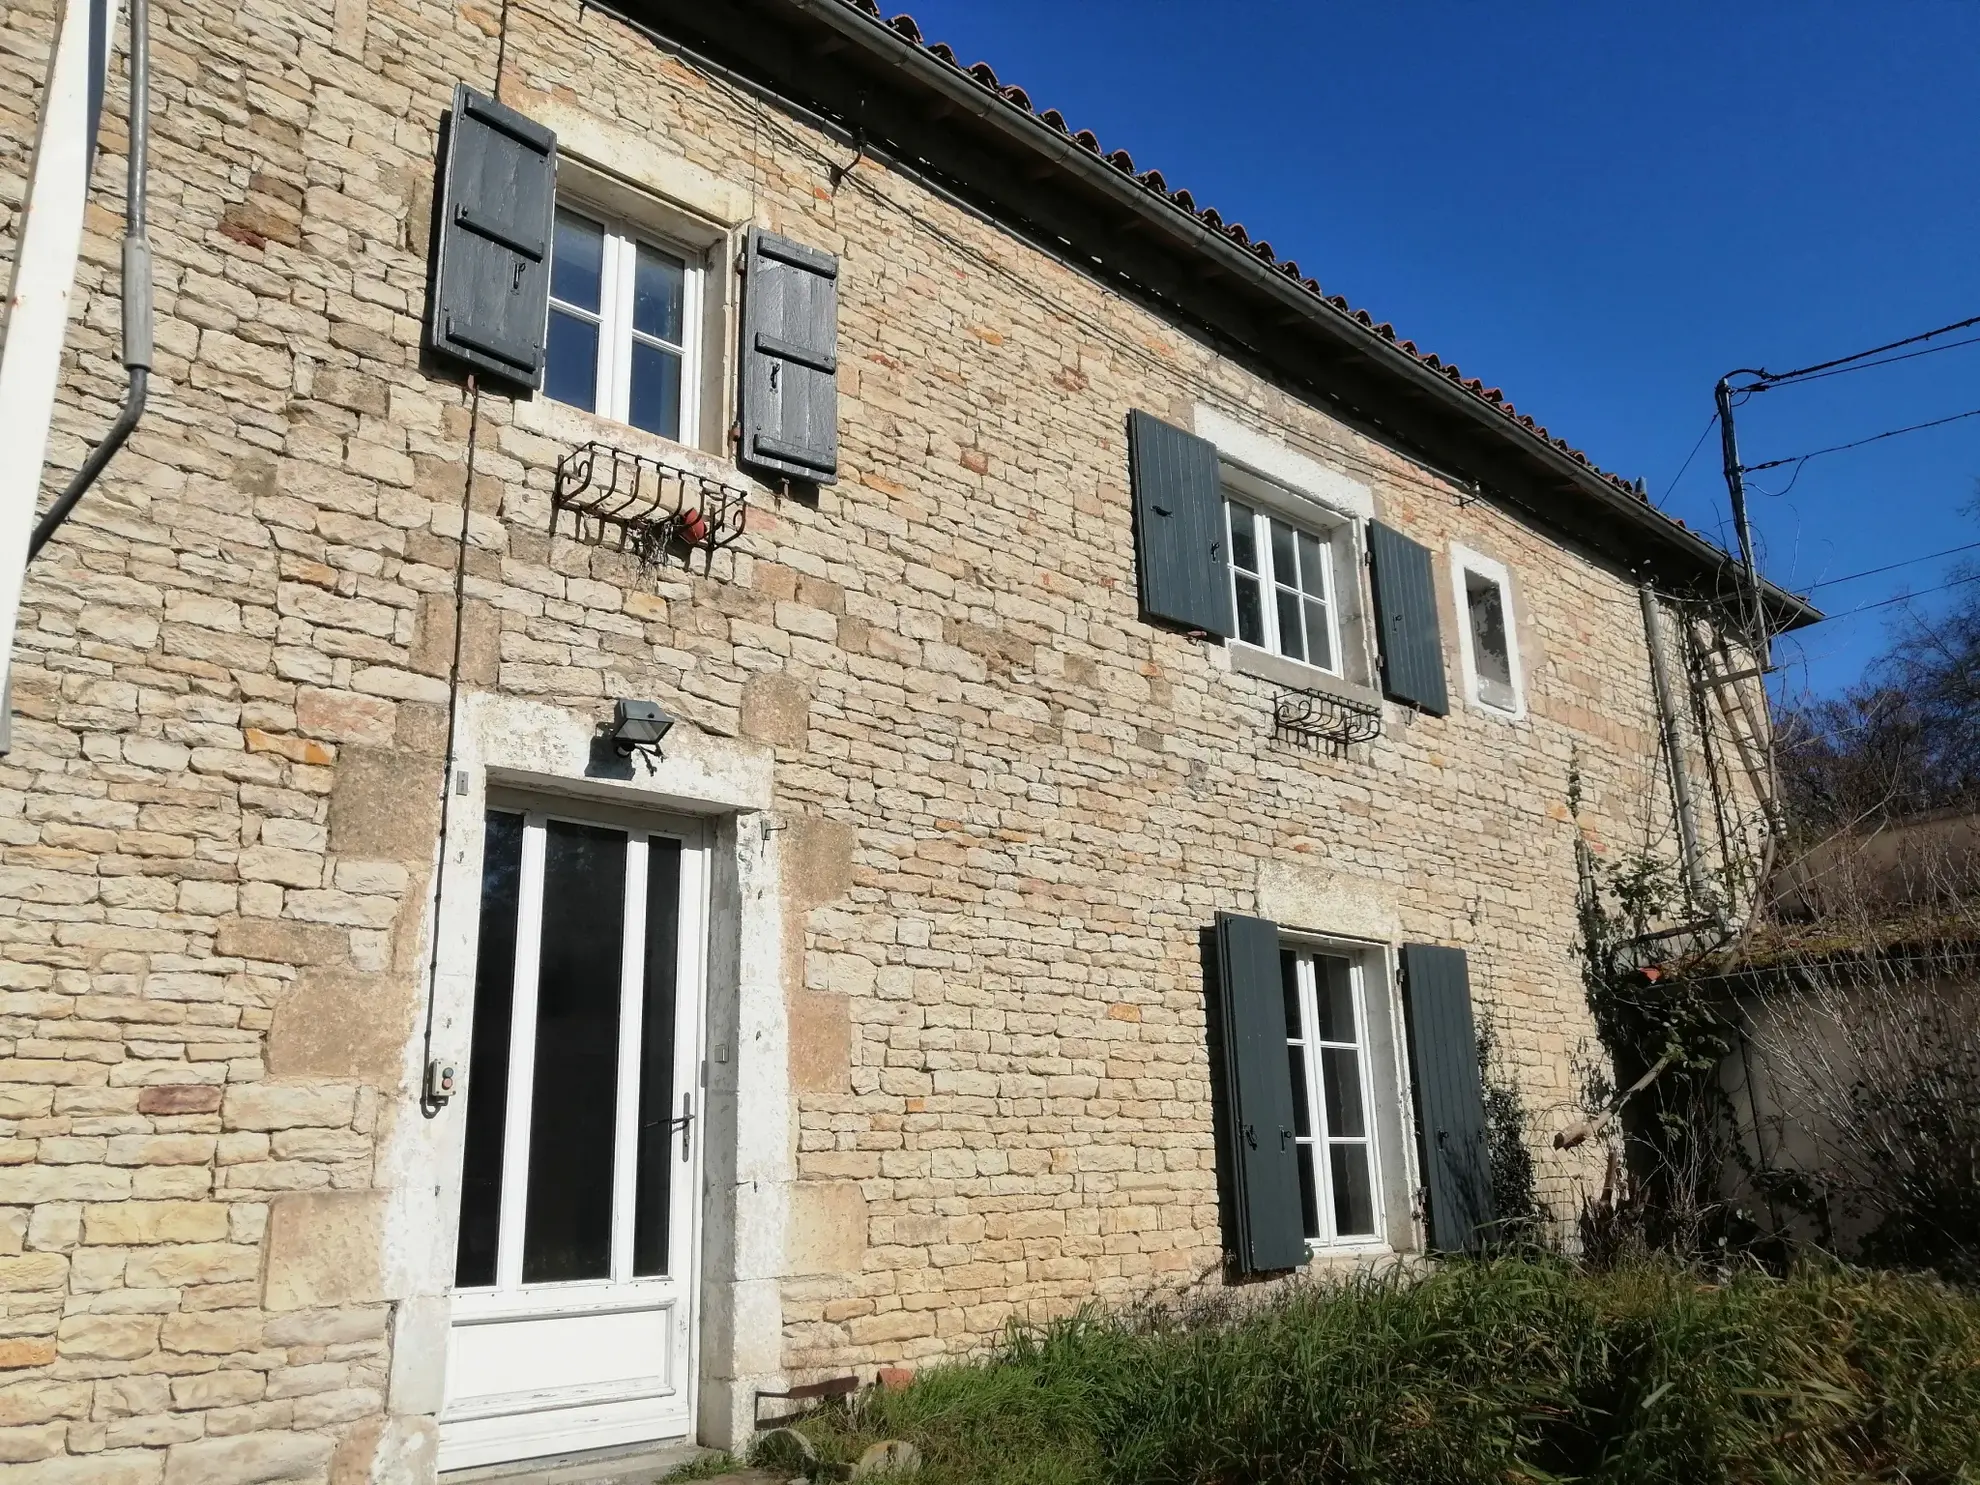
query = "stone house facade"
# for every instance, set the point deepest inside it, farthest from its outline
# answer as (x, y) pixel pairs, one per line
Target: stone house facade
(901, 991)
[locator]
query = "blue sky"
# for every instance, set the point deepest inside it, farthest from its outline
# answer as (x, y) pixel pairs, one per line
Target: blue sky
(1601, 208)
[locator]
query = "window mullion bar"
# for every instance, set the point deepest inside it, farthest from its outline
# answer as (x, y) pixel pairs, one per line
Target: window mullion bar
(632, 985)
(1268, 591)
(1323, 1196)
(1358, 989)
(690, 410)
(616, 313)
(513, 1210)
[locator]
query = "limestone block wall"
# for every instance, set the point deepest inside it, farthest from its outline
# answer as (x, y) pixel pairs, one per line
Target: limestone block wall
(1011, 804)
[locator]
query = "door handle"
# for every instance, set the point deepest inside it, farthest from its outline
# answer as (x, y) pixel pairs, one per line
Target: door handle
(685, 1123)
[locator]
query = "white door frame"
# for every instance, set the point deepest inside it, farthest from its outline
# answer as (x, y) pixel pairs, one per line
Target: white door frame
(491, 1330)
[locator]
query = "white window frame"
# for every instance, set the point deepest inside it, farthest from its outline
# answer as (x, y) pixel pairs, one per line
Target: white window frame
(617, 276)
(1465, 561)
(1267, 503)
(1329, 1243)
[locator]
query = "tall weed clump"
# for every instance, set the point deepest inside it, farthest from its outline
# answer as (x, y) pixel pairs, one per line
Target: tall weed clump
(1517, 1370)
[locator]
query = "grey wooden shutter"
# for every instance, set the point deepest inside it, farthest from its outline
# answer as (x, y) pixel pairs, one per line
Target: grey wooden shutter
(1406, 620)
(1264, 1168)
(491, 280)
(1450, 1104)
(790, 388)
(1180, 547)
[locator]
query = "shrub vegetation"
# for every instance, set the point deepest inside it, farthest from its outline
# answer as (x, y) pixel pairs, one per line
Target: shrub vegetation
(1512, 1370)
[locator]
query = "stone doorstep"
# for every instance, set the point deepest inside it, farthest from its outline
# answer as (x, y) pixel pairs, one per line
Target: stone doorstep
(633, 1464)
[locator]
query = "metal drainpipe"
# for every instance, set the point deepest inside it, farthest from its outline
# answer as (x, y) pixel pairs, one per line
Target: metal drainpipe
(136, 288)
(1696, 885)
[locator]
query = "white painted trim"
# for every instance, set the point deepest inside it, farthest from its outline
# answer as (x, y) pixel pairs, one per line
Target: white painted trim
(632, 1018)
(1463, 560)
(1284, 464)
(742, 1200)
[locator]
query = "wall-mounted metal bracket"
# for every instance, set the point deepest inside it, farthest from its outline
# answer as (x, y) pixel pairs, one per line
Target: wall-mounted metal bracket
(659, 511)
(1318, 718)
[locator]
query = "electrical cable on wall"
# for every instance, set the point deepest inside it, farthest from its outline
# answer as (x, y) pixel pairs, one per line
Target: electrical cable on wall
(429, 1104)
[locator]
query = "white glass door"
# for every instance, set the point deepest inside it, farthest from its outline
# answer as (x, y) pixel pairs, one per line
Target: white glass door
(575, 1267)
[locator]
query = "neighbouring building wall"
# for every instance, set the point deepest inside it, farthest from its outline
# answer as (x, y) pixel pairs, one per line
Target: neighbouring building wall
(973, 812)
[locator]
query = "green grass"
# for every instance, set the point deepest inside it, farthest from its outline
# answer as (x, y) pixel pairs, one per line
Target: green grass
(1509, 1371)
(708, 1467)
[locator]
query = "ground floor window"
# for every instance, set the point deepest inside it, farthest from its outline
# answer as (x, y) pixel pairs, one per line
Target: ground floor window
(1327, 1057)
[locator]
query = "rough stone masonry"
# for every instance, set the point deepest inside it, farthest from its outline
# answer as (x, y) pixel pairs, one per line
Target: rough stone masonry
(1001, 806)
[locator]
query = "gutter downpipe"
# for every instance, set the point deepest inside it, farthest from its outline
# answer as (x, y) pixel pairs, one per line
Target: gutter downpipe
(137, 284)
(36, 313)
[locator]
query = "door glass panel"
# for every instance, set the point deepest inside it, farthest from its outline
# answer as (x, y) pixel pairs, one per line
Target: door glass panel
(1319, 638)
(487, 1108)
(1285, 567)
(1296, 1062)
(1291, 643)
(567, 1229)
(657, 1101)
(1309, 1209)
(1354, 1192)
(1250, 610)
(1312, 567)
(659, 295)
(570, 370)
(1244, 537)
(577, 262)
(1340, 1082)
(655, 402)
(1336, 986)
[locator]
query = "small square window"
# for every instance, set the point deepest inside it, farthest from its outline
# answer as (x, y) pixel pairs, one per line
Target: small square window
(1483, 591)
(623, 332)
(1282, 581)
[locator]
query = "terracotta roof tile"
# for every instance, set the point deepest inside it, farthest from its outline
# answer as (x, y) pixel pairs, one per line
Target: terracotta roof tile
(1154, 180)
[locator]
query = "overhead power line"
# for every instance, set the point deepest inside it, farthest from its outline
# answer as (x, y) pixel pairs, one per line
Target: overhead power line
(1776, 378)
(1857, 443)
(1816, 376)
(1892, 566)
(1710, 424)
(1864, 608)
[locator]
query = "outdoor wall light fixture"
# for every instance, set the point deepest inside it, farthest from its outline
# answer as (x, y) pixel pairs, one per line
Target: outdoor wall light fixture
(638, 726)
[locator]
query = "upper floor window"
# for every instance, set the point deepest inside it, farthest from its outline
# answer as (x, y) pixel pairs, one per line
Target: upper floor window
(624, 331)
(1487, 636)
(1327, 1053)
(1282, 576)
